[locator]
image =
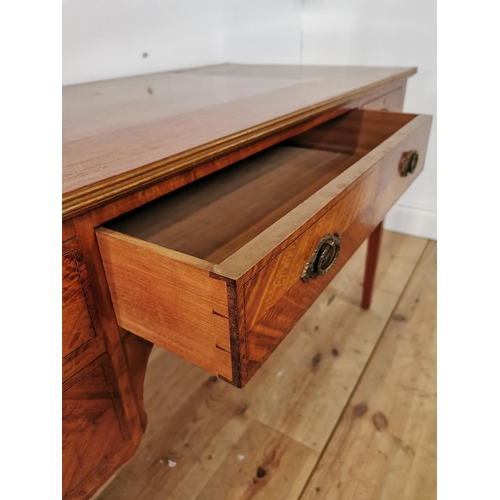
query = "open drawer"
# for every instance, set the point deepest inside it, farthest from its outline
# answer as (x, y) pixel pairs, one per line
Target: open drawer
(220, 270)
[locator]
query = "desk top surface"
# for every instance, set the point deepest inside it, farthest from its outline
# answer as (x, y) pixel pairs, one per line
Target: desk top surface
(114, 130)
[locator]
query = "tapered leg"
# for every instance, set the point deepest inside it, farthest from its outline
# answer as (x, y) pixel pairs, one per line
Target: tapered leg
(371, 265)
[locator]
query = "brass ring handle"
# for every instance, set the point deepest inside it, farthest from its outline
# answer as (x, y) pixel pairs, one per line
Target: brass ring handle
(408, 163)
(323, 257)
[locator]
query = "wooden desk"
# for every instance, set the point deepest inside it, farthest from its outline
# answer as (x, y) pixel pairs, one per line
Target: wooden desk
(204, 211)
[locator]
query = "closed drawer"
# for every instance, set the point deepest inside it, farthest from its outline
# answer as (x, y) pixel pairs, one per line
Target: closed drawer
(221, 270)
(77, 318)
(81, 338)
(92, 417)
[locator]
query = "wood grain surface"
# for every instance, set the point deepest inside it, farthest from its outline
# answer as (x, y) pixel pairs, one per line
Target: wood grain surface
(137, 351)
(127, 202)
(111, 332)
(212, 218)
(156, 124)
(276, 297)
(82, 339)
(68, 230)
(106, 345)
(78, 311)
(152, 191)
(385, 444)
(215, 216)
(169, 299)
(92, 418)
(408, 132)
(116, 134)
(210, 440)
(372, 252)
(225, 215)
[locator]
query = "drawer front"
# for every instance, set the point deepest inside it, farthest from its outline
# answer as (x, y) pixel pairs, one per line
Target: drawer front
(81, 338)
(276, 297)
(77, 321)
(90, 424)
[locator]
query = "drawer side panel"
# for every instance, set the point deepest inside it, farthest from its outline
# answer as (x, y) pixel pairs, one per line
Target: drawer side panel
(170, 302)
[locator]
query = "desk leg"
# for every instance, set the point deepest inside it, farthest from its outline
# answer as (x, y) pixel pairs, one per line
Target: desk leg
(137, 351)
(371, 265)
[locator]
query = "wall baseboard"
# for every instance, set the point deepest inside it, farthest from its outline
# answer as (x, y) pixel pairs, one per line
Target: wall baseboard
(413, 221)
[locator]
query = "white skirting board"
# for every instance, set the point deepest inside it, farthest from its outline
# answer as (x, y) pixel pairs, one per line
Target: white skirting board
(411, 220)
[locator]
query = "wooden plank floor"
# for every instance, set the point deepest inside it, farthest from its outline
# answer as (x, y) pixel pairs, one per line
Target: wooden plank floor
(344, 409)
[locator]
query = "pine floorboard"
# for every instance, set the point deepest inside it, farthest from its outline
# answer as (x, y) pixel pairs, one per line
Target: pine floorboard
(345, 408)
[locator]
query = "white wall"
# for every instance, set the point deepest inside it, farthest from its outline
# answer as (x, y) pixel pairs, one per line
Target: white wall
(264, 31)
(385, 33)
(114, 38)
(108, 39)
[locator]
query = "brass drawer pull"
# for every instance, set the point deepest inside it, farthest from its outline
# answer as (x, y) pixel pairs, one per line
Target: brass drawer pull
(408, 163)
(323, 258)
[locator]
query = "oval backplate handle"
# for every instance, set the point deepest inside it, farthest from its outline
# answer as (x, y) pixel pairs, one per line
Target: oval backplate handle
(408, 163)
(323, 257)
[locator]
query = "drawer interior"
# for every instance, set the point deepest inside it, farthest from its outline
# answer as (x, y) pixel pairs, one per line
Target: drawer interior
(213, 271)
(215, 216)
